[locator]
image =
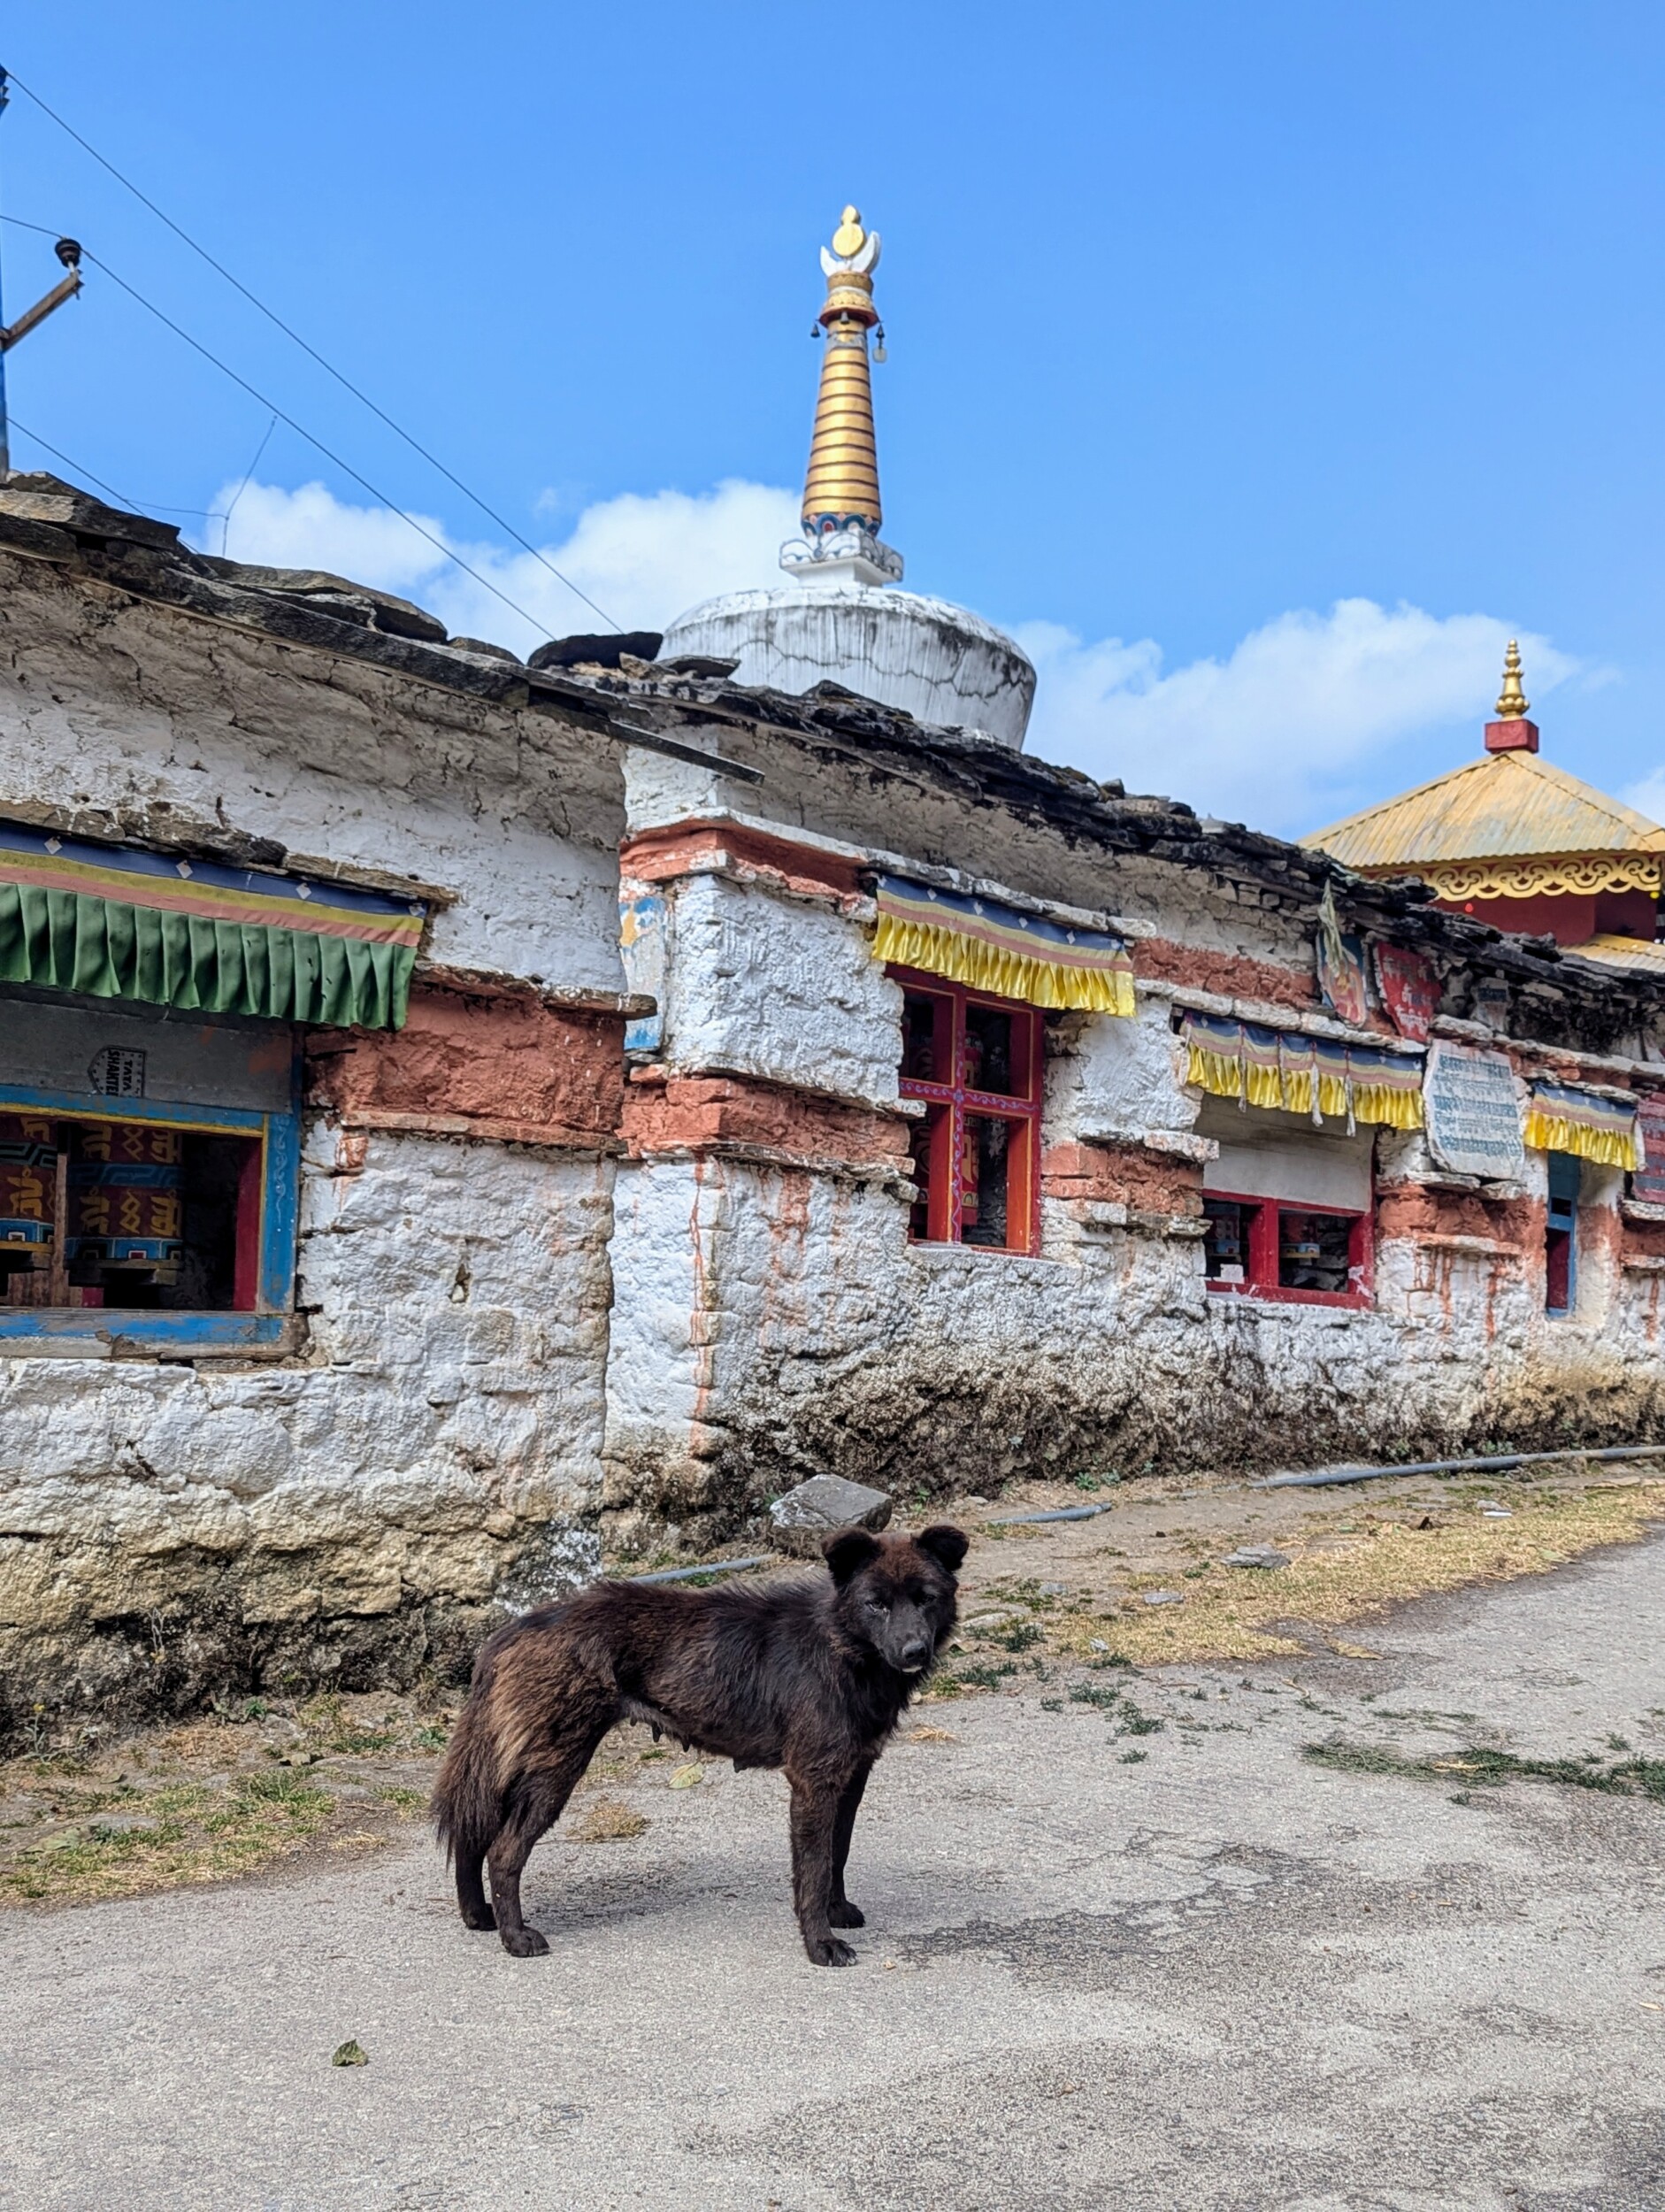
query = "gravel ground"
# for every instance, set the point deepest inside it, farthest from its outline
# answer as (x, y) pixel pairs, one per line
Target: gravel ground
(1107, 1964)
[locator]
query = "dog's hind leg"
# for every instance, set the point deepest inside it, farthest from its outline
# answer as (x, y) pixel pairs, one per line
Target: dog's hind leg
(840, 1912)
(470, 1889)
(534, 1804)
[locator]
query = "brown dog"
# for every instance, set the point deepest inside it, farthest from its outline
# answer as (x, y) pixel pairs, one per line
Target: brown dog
(809, 1674)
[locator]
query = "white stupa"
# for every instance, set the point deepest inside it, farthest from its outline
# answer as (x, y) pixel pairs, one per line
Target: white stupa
(841, 619)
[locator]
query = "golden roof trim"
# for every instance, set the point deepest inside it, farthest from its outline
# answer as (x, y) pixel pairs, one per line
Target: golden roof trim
(1611, 951)
(1525, 876)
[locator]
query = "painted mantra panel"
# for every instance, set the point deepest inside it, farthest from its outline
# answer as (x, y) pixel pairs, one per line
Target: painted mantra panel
(1474, 1120)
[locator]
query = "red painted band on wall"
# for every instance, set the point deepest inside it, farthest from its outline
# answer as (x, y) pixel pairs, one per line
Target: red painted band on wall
(554, 1074)
(693, 1111)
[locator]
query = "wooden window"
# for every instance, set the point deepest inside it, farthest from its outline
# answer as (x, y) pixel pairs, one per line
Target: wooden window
(1271, 1248)
(134, 1215)
(1560, 1235)
(182, 1220)
(975, 1061)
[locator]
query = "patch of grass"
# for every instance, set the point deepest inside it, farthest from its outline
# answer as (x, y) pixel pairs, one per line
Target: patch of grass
(1023, 1590)
(190, 1832)
(608, 1821)
(1242, 1617)
(1117, 1706)
(956, 1683)
(1096, 1693)
(1018, 1637)
(1482, 1767)
(404, 1800)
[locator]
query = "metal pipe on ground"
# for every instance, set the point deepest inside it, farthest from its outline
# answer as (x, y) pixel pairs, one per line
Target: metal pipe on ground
(1060, 1513)
(714, 1567)
(1495, 1463)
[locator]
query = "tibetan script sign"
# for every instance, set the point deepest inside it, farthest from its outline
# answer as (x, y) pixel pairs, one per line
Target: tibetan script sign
(1409, 989)
(1649, 1182)
(1473, 1117)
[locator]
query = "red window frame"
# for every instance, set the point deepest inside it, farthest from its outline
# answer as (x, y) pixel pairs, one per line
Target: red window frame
(957, 1106)
(1264, 1242)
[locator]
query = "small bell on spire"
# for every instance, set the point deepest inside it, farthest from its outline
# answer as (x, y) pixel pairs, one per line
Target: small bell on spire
(1513, 704)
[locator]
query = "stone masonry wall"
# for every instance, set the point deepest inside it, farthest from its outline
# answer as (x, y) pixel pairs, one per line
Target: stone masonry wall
(772, 1319)
(351, 1515)
(426, 1448)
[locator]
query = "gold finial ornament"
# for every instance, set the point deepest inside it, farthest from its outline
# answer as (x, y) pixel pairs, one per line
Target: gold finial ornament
(1513, 704)
(841, 485)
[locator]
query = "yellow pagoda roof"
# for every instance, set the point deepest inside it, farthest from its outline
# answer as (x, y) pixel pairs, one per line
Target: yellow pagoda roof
(1503, 806)
(1646, 954)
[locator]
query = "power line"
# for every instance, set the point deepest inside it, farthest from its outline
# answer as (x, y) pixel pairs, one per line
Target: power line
(300, 431)
(121, 498)
(328, 452)
(133, 506)
(225, 520)
(328, 367)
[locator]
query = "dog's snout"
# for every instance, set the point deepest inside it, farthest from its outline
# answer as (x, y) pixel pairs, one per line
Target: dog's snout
(915, 1651)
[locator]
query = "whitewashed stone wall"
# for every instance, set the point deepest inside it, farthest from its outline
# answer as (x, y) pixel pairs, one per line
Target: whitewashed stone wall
(778, 988)
(351, 1517)
(131, 711)
(358, 1506)
(772, 1322)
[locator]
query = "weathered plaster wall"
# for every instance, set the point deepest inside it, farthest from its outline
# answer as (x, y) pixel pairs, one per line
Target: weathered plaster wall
(778, 988)
(884, 811)
(156, 722)
(773, 1320)
(166, 1528)
(428, 1447)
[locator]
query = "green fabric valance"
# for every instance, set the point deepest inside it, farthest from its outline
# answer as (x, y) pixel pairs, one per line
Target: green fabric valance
(110, 922)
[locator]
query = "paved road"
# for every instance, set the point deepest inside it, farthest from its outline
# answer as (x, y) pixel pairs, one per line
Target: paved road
(1220, 1977)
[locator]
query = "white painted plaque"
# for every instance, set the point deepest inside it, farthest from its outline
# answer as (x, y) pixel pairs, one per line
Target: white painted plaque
(1474, 1119)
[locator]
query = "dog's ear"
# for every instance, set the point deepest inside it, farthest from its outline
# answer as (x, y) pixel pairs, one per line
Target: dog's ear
(848, 1551)
(947, 1546)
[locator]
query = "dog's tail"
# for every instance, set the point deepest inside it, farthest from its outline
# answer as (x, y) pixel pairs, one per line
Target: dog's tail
(467, 1801)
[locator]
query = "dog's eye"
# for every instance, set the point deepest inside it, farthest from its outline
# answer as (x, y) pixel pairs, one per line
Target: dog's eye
(876, 1605)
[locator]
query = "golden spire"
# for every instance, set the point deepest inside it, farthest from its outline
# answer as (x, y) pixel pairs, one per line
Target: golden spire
(1512, 703)
(842, 483)
(841, 512)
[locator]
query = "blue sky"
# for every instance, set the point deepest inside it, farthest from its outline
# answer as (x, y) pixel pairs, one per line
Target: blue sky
(1261, 366)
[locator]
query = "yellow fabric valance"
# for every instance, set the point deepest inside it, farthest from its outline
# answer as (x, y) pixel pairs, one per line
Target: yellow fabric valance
(1560, 1118)
(1285, 1072)
(993, 947)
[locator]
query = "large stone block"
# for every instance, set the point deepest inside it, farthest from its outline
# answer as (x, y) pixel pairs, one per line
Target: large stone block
(807, 1515)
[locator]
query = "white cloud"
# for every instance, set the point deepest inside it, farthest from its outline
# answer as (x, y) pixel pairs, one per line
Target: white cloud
(1648, 796)
(1288, 731)
(643, 558)
(1280, 734)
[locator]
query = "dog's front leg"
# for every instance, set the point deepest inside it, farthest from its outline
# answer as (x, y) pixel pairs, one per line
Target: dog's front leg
(814, 1823)
(840, 1912)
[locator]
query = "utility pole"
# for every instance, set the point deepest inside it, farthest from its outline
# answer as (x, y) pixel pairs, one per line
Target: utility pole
(69, 253)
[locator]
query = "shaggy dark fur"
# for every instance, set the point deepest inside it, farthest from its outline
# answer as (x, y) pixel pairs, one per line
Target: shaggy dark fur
(809, 1674)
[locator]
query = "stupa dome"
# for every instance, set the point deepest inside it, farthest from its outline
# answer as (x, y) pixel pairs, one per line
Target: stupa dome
(840, 618)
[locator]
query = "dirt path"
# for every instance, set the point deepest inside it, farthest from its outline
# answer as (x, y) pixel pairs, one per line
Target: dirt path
(263, 1779)
(1315, 1931)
